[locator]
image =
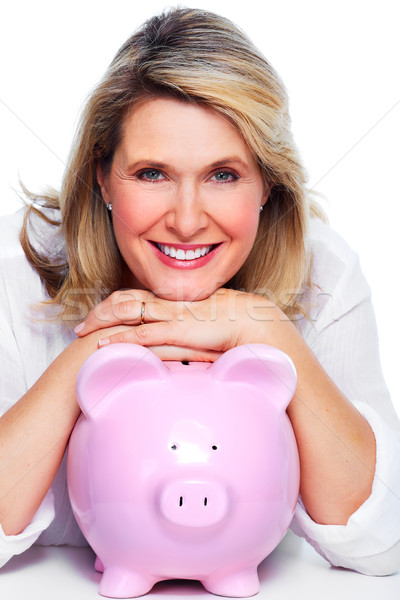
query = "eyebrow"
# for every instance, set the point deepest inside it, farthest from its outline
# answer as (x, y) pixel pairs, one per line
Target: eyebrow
(159, 165)
(228, 160)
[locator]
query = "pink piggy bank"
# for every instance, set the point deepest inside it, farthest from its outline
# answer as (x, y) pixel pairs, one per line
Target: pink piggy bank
(180, 471)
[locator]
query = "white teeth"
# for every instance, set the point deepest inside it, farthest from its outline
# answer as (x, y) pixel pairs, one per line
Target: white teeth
(181, 254)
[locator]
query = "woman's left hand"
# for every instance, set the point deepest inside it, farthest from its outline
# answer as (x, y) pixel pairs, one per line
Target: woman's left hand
(199, 330)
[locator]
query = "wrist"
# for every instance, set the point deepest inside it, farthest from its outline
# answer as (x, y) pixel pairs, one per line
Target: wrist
(269, 325)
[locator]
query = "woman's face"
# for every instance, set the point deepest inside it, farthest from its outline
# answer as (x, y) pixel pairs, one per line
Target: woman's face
(186, 194)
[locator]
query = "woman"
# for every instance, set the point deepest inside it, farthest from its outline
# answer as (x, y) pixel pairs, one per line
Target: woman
(186, 228)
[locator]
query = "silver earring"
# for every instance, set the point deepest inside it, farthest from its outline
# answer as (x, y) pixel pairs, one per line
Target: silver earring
(261, 209)
(109, 206)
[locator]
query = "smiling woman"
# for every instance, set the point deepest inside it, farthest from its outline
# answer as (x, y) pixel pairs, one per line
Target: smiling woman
(201, 60)
(184, 225)
(184, 196)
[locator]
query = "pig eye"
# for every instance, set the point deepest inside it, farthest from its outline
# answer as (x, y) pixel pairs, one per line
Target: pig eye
(174, 447)
(214, 447)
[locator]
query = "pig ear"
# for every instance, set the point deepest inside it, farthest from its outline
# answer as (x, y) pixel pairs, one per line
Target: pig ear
(265, 367)
(112, 366)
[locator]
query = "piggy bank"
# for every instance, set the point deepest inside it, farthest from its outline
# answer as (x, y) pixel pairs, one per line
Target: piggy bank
(183, 471)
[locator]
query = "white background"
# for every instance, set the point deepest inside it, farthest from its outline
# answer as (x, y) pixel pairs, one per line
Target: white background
(293, 570)
(339, 60)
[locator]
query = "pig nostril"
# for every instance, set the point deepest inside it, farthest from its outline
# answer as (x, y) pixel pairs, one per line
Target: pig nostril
(181, 501)
(205, 501)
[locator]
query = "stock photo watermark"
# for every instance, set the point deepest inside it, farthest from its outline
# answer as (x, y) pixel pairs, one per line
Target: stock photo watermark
(231, 305)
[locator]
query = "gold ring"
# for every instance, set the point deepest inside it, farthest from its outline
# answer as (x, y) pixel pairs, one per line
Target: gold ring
(142, 309)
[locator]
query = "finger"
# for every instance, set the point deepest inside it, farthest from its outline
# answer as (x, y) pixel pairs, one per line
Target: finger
(166, 352)
(129, 307)
(144, 335)
(169, 333)
(183, 354)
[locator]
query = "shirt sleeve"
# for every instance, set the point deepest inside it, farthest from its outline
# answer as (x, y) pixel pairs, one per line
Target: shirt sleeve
(12, 387)
(10, 545)
(344, 338)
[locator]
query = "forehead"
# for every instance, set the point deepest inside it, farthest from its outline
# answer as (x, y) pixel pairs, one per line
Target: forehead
(161, 126)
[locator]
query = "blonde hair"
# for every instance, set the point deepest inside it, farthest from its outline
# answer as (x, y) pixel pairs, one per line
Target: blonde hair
(199, 57)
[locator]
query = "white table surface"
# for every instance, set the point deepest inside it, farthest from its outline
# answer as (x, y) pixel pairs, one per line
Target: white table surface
(293, 571)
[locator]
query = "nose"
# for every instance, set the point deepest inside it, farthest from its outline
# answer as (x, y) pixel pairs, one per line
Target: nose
(194, 503)
(187, 216)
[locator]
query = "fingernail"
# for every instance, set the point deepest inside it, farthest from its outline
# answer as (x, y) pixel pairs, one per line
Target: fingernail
(104, 342)
(79, 327)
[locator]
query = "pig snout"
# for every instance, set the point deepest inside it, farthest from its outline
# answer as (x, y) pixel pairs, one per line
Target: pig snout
(194, 503)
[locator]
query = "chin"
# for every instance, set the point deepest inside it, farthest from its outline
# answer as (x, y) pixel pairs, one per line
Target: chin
(185, 293)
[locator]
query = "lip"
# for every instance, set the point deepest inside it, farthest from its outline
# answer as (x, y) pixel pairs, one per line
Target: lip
(196, 263)
(183, 246)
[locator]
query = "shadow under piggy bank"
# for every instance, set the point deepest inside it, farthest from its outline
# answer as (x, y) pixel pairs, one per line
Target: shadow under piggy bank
(183, 471)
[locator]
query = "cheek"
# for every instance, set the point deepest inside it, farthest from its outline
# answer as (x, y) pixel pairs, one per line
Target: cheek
(241, 214)
(242, 225)
(133, 214)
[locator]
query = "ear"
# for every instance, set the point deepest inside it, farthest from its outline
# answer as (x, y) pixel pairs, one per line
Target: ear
(266, 193)
(112, 366)
(102, 181)
(265, 367)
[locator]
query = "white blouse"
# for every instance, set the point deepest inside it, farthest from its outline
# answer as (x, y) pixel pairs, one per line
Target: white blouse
(342, 334)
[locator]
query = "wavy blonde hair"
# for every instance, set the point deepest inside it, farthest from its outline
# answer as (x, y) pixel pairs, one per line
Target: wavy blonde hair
(198, 57)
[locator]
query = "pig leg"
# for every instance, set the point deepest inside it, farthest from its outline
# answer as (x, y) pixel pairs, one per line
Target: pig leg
(118, 582)
(239, 584)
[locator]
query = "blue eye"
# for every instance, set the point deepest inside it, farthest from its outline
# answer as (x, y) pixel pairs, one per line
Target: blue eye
(150, 175)
(225, 176)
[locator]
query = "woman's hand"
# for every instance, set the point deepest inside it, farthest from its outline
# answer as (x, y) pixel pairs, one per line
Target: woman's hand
(199, 330)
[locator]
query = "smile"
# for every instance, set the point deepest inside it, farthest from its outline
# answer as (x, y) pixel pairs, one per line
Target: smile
(187, 256)
(182, 254)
